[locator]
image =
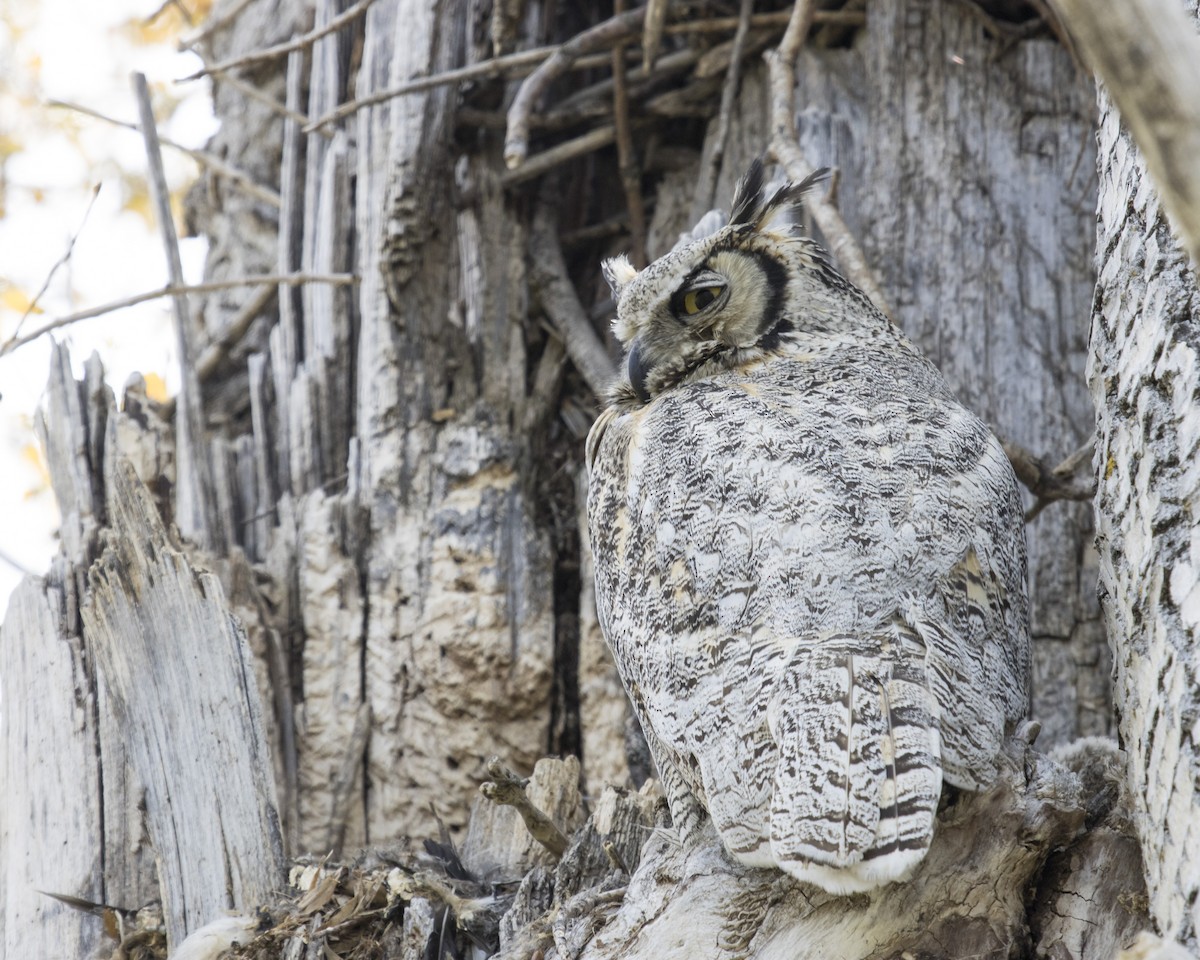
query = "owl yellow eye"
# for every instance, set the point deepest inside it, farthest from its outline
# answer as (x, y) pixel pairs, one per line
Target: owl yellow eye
(696, 300)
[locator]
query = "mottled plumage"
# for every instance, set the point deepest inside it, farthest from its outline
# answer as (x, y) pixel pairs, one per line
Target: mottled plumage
(810, 559)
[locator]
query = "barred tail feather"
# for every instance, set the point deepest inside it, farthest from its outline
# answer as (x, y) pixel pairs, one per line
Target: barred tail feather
(859, 772)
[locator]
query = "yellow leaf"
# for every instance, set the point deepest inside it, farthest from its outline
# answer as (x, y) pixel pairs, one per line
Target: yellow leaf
(17, 300)
(138, 201)
(156, 387)
(165, 25)
(31, 453)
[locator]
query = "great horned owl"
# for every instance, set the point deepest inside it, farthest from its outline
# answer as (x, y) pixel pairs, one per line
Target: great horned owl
(810, 558)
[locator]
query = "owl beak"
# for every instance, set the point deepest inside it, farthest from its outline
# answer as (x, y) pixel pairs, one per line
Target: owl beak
(637, 371)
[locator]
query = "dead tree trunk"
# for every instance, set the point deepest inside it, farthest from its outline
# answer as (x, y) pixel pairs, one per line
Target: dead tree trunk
(1145, 381)
(401, 589)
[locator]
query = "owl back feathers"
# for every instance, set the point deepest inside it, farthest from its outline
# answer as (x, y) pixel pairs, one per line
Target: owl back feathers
(809, 558)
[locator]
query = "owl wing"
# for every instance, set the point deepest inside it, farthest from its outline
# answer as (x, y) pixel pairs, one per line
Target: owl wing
(809, 608)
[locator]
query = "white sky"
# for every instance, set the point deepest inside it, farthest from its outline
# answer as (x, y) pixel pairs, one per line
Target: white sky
(84, 53)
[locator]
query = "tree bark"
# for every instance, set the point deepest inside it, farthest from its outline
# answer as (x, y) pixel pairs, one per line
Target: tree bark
(1144, 373)
(406, 590)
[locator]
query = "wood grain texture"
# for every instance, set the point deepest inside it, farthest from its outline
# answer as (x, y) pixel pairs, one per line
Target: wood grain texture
(51, 829)
(179, 675)
(1144, 373)
(457, 565)
(1147, 52)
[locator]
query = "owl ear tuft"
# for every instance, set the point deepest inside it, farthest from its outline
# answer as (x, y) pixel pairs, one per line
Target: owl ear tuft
(748, 194)
(618, 271)
(780, 212)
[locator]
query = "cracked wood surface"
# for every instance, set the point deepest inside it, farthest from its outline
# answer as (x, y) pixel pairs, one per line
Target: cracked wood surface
(1145, 379)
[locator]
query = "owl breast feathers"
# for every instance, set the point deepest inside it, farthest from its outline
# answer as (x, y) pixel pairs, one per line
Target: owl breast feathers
(810, 558)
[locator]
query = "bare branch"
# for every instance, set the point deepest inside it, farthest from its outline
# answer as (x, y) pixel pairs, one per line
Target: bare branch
(1048, 483)
(627, 164)
(507, 789)
(785, 148)
(845, 18)
(16, 565)
(283, 49)
(652, 31)
(516, 143)
(338, 279)
(580, 146)
(53, 270)
(195, 511)
(1147, 53)
(515, 62)
(253, 93)
(202, 157)
(215, 352)
(708, 171)
(496, 67)
(561, 303)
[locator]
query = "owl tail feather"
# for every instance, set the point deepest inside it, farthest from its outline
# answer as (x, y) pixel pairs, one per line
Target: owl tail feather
(859, 773)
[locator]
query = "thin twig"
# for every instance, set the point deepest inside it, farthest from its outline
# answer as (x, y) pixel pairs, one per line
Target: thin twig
(1048, 483)
(766, 20)
(559, 300)
(19, 567)
(507, 789)
(627, 164)
(652, 31)
(636, 83)
(495, 67)
(516, 142)
(195, 512)
(515, 62)
(205, 159)
(580, 146)
(338, 279)
(253, 93)
(214, 353)
(785, 148)
(283, 49)
(353, 757)
(215, 25)
(53, 270)
(183, 12)
(706, 190)
(161, 195)
(1061, 33)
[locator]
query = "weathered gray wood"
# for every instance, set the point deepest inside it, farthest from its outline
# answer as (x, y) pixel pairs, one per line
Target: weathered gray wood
(1145, 377)
(51, 831)
(498, 846)
(182, 686)
(331, 616)
(1091, 899)
(400, 453)
(62, 429)
(457, 563)
(1148, 55)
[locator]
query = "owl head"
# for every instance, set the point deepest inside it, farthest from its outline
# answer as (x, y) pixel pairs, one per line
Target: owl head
(727, 287)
